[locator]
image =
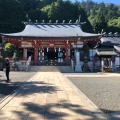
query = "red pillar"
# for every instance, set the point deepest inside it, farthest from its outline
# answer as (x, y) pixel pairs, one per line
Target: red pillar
(35, 56)
(66, 56)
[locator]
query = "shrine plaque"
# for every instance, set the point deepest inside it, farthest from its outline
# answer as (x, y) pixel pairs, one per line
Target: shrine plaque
(78, 45)
(26, 44)
(51, 44)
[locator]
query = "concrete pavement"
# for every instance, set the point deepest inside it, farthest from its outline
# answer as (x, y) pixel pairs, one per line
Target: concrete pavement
(49, 96)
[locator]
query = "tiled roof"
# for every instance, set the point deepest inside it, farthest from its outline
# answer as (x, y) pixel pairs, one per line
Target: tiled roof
(110, 41)
(53, 30)
(104, 52)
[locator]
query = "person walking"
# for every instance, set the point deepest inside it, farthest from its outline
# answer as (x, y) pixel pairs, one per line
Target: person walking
(7, 69)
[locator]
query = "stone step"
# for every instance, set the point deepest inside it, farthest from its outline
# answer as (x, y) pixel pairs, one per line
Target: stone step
(64, 69)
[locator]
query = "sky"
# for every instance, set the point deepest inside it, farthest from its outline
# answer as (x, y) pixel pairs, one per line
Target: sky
(99, 1)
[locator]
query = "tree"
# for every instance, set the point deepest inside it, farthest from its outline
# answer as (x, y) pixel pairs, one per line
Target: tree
(34, 15)
(12, 50)
(100, 22)
(96, 15)
(30, 4)
(114, 25)
(66, 11)
(47, 2)
(11, 16)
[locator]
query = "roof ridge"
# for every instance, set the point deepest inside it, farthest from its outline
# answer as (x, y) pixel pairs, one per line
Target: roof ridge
(31, 23)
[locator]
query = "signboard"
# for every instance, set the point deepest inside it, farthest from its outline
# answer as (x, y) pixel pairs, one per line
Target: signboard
(78, 45)
(51, 44)
(26, 44)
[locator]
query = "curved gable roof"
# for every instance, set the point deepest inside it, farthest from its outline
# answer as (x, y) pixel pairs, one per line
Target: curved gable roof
(52, 30)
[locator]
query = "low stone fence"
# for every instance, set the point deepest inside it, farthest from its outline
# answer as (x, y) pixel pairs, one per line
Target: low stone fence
(19, 65)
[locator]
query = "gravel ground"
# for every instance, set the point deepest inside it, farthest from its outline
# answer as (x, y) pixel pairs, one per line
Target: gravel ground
(17, 79)
(102, 91)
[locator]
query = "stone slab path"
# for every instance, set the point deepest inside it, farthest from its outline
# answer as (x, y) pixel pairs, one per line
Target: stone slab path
(48, 96)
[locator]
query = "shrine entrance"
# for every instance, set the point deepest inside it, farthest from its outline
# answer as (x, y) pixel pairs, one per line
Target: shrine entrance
(52, 54)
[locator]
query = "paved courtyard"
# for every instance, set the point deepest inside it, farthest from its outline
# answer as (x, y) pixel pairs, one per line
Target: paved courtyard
(102, 89)
(17, 79)
(48, 96)
(53, 96)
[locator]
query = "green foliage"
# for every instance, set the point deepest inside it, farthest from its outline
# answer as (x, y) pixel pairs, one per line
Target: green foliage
(114, 22)
(13, 51)
(30, 4)
(101, 15)
(66, 11)
(9, 47)
(98, 16)
(34, 15)
(100, 23)
(11, 16)
(47, 2)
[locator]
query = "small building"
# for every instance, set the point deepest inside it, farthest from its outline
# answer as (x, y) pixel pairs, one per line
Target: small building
(107, 55)
(52, 43)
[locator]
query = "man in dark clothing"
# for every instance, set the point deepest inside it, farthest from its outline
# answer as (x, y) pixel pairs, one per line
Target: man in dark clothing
(7, 69)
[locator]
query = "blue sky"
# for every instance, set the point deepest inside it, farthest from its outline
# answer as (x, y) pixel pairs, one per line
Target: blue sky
(105, 1)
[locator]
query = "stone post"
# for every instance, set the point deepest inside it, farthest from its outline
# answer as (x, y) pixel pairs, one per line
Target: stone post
(78, 66)
(24, 53)
(102, 64)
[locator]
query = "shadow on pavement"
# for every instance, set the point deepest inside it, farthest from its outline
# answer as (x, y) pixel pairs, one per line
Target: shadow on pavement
(6, 89)
(112, 115)
(48, 110)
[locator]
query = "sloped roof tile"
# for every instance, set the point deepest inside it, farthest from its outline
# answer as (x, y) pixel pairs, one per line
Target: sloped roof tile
(53, 30)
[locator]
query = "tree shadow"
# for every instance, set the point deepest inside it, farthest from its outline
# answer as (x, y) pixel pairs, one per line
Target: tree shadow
(54, 110)
(112, 114)
(39, 87)
(6, 89)
(106, 111)
(49, 112)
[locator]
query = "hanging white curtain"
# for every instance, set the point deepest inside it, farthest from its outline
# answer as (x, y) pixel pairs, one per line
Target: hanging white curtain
(59, 50)
(47, 49)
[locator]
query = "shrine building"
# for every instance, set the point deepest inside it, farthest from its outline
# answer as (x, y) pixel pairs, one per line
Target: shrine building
(51, 43)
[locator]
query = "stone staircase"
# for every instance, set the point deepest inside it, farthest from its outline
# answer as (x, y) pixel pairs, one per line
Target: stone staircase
(63, 69)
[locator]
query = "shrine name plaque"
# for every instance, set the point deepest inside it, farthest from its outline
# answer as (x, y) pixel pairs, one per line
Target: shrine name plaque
(26, 44)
